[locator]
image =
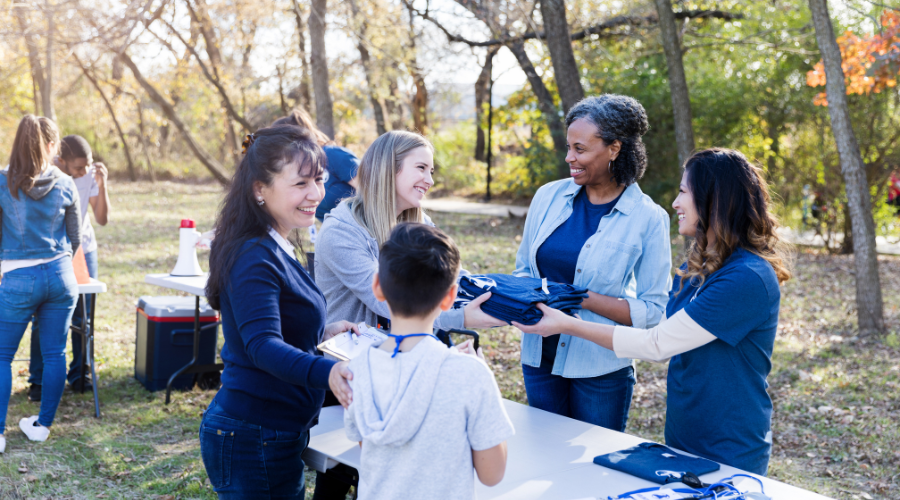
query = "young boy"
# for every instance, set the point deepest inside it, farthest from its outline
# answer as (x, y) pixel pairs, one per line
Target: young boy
(424, 414)
(76, 159)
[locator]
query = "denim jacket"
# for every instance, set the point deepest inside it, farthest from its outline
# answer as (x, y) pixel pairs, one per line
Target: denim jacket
(629, 256)
(42, 223)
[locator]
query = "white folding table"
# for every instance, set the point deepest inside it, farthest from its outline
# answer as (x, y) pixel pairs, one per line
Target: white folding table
(549, 457)
(88, 292)
(194, 285)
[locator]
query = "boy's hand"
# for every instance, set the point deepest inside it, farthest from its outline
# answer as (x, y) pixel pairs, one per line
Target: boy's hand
(338, 382)
(101, 174)
(476, 318)
(468, 347)
(339, 327)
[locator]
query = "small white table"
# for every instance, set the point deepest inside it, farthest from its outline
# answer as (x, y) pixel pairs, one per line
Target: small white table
(549, 457)
(88, 292)
(194, 285)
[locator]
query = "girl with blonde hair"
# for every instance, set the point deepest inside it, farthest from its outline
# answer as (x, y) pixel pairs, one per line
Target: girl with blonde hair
(394, 175)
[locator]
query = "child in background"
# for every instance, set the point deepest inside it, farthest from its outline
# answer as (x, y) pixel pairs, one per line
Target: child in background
(425, 414)
(40, 230)
(76, 159)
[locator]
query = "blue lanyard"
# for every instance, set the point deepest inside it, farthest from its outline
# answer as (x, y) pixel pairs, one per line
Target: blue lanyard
(719, 490)
(400, 338)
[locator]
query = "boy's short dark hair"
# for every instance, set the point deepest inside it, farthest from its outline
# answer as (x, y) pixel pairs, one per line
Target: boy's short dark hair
(416, 267)
(74, 146)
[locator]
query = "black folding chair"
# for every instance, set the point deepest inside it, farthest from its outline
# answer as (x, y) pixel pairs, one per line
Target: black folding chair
(444, 336)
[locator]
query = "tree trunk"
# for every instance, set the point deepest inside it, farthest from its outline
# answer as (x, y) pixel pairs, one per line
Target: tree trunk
(868, 285)
(394, 110)
(559, 44)
(211, 164)
(132, 174)
(548, 108)
(420, 100)
(200, 12)
(47, 89)
(305, 99)
(482, 95)
(150, 169)
(34, 59)
(377, 110)
(681, 100)
(284, 107)
(319, 62)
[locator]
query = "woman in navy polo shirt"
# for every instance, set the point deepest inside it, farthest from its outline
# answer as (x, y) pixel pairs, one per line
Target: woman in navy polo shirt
(273, 316)
(722, 315)
(596, 230)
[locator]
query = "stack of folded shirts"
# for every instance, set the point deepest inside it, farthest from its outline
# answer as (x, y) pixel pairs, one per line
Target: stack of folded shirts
(515, 298)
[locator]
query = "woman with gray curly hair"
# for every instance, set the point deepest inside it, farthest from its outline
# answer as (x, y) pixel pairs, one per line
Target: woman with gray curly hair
(596, 230)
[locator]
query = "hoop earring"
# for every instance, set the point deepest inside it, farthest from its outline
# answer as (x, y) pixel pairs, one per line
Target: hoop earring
(260, 202)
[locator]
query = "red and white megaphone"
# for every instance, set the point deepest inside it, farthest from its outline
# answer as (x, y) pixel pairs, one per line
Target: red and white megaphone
(187, 264)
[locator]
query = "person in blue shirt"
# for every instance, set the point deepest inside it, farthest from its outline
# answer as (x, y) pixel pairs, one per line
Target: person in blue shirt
(722, 315)
(254, 432)
(40, 231)
(596, 230)
(342, 165)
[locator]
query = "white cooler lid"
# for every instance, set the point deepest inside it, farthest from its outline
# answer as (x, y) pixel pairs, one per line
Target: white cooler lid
(173, 307)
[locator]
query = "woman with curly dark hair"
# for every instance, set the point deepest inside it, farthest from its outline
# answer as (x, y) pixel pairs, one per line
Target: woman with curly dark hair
(596, 230)
(721, 318)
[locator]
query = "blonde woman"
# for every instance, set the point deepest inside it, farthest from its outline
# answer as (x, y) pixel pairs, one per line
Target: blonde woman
(394, 176)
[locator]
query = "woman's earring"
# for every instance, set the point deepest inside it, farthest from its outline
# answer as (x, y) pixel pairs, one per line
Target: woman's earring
(260, 201)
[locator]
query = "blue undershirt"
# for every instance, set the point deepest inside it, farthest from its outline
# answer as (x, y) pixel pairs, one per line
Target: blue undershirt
(557, 257)
(342, 168)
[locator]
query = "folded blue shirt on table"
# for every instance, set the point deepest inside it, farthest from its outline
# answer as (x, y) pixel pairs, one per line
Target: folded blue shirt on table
(515, 298)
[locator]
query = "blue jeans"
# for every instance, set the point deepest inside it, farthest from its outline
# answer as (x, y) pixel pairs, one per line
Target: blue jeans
(47, 292)
(36, 365)
(246, 461)
(603, 400)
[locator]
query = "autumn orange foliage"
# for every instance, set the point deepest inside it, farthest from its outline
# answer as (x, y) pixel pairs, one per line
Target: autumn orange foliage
(870, 64)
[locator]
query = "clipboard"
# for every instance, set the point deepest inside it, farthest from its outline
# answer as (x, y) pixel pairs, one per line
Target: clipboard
(346, 346)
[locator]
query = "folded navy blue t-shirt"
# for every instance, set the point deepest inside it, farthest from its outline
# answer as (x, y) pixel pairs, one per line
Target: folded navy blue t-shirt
(515, 298)
(655, 462)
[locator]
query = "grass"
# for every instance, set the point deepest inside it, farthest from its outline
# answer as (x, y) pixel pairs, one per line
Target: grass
(836, 404)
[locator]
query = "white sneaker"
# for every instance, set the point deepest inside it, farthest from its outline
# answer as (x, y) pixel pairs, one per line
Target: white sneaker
(2, 443)
(34, 431)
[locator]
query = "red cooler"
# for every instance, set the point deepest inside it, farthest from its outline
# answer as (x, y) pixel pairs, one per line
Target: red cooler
(165, 340)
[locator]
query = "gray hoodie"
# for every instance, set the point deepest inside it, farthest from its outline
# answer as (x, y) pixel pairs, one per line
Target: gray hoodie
(346, 262)
(420, 415)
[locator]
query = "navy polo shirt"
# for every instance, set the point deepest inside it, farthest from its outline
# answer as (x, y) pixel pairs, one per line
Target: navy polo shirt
(717, 405)
(342, 168)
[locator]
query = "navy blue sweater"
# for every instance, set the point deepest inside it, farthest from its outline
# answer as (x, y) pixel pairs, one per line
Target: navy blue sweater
(273, 316)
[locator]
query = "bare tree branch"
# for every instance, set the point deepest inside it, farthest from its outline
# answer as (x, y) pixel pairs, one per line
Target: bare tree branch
(208, 161)
(112, 113)
(596, 29)
(213, 79)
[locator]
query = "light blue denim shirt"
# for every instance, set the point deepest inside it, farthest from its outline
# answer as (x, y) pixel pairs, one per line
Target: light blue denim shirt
(629, 256)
